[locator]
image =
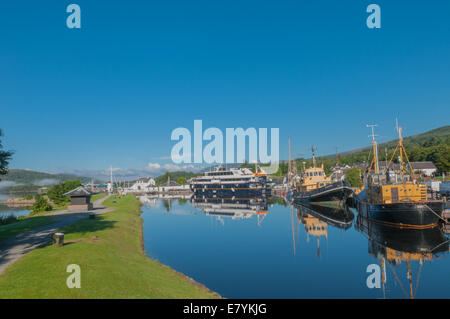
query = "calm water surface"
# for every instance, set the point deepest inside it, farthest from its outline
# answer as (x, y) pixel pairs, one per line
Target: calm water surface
(285, 252)
(6, 210)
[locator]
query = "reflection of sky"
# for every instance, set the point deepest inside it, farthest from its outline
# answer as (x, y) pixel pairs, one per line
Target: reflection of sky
(241, 260)
(6, 211)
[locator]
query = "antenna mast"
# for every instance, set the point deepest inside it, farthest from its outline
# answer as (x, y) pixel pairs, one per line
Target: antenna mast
(337, 158)
(375, 147)
(402, 152)
(293, 165)
(289, 163)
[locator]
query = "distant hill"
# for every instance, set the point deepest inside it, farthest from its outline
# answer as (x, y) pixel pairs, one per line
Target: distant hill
(431, 146)
(174, 176)
(434, 137)
(21, 178)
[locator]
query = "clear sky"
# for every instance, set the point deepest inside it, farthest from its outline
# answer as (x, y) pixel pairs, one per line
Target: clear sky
(111, 92)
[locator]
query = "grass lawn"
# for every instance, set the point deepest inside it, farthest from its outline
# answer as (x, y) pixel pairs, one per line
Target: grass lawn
(97, 196)
(113, 264)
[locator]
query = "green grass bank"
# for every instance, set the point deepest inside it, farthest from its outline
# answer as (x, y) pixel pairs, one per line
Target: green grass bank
(113, 264)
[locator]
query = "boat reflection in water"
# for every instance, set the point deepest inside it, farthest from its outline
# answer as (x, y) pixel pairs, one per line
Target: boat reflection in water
(316, 219)
(232, 208)
(392, 247)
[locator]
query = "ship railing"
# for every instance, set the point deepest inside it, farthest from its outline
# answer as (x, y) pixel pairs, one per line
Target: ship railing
(331, 186)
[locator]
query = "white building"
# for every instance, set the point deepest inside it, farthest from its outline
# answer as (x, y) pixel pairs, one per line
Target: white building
(142, 185)
(424, 168)
(110, 187)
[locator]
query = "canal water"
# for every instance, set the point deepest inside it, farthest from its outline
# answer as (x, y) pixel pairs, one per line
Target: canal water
(273, 250)
(7, 211)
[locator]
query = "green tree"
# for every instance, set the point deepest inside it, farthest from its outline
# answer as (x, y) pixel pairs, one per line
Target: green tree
(40, 205)
(56, 192)
(353, 177)
(5, 157)
(181, 180)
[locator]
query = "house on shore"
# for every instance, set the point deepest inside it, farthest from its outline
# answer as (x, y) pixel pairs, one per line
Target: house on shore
(427, 169)
(148, 186)
(80, 199)
(424, 168)
(142, 185)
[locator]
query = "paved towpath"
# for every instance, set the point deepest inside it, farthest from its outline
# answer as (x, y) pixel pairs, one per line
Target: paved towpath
(11, 249)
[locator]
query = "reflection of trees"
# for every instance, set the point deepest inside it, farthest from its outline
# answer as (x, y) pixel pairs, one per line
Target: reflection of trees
(276, 200)
(182, 201)
(167, 204)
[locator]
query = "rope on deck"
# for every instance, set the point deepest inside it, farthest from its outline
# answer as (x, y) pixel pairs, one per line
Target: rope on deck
(445, 221)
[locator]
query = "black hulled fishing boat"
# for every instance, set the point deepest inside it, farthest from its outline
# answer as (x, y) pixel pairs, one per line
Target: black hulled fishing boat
(394, 198)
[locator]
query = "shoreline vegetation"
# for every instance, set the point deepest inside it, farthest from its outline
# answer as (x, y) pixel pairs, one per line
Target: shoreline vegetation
(109, 250)
(12, 225)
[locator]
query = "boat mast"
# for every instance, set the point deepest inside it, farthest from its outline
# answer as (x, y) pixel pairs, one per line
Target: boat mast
(375, 147)
(337, 158)
(402, 152)
(313, 149)
(410, 279)
(293, 165)
(400, 143)
(383, 276)
(289, 163)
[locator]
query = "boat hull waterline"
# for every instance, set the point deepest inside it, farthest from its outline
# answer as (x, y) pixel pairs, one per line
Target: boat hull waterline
(338, 191)
(419, 215)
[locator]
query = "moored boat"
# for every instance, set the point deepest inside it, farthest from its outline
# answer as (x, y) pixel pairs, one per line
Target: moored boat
(314, 186)
(231, 183)
(399, 201)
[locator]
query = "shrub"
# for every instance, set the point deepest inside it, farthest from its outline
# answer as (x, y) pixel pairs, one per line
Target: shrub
(353, 177)
(40, 205)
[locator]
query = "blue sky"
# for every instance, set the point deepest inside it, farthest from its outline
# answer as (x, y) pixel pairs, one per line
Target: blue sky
(111, 92)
